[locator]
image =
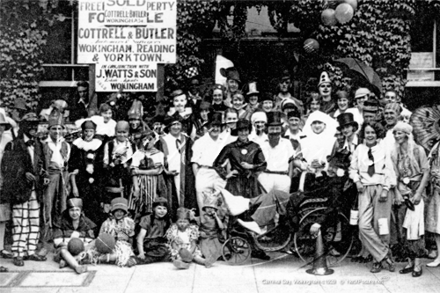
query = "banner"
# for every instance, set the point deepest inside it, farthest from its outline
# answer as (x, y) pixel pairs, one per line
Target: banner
(126, 31)
(134, 78)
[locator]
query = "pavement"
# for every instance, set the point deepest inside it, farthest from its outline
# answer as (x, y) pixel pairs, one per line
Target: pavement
(283, 273)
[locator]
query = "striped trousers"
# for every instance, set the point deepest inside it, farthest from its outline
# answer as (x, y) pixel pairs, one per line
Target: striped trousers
(26, 227)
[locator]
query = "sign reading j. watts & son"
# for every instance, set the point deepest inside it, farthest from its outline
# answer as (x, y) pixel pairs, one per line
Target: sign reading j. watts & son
(126, 33)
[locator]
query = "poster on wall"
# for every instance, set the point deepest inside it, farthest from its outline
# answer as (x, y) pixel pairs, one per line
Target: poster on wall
(126, 31)
(128, 77)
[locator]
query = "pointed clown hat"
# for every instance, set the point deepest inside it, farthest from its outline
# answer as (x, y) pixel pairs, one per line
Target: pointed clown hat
(324, 78)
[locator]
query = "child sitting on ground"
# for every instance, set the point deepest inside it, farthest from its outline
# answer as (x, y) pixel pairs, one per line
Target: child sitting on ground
(182, 237)
(121, 227)
(212, 222)
(151, 240)
(73, 225)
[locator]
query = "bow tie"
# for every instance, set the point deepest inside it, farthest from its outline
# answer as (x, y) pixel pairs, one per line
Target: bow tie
(30, 143)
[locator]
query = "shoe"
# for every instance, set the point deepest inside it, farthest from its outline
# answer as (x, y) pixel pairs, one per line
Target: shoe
(389, 263)
(3, 269)
(433, 264)
(80, 269)
(377, 267)
(210, 261)
(432, 254)
(6, 254)
(180, 264)
(416, 274)
(407, 270)
(36, 257)
(131, 262)
(253, 226)
(63, 264)
(260, 255)
(18, 261)
(334, 252)
(42, 252)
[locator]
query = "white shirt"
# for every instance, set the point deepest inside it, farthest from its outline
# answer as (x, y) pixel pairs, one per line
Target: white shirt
(173, 158)
(57, 158)
(30, 149)
(205, 150)
(122, 149)
(277, 158)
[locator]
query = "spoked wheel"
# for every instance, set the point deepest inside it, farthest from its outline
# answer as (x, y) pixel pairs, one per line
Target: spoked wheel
(337, 240)
(273, 240)
(236, 250)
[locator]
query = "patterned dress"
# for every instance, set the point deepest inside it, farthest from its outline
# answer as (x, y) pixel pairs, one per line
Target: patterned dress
(191, 234)
(432, 216)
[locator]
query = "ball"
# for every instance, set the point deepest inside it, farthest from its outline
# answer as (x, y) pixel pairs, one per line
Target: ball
(311, 45)
(75, 246)
(105, 243)
(353, 3)
(344, 13)
(328, 17)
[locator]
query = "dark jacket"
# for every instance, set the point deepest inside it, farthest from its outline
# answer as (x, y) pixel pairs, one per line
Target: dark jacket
(15, 164)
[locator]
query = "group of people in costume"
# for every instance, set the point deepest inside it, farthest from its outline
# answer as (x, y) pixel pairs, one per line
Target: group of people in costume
(137, 191)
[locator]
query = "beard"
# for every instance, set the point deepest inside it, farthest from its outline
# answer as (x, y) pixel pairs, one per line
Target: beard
(274, 140)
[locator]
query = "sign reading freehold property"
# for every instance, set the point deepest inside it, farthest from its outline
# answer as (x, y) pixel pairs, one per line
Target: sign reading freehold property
(126, 39)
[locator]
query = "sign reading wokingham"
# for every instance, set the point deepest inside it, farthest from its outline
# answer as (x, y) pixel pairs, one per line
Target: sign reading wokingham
(127, 32)
(134, 78)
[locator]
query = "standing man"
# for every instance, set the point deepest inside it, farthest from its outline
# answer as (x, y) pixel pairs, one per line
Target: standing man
(205, 151)
(232, 83)
(22, 169)
(284, 94)
(80, 105)
(279, 154)
(56, 155)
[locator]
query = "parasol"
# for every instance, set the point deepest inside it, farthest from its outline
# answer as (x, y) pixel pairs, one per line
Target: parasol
(364, 70)
(426, 128)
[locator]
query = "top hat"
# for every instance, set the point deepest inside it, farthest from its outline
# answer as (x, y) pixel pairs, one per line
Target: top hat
(294, 113)
(241, 124)
(252, 89)
(74, 202)
(230, 73)
(324, 78)
(274, 119)
(210, 200)
(136, 111)
(346, 119)
(119, 203)
(55, 118)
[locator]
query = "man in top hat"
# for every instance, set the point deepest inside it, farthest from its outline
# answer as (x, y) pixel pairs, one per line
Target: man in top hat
(23, 172)
(279, 154)
(267, 102)
(259, 120)
(205, 151)
(284, 94)
(348, 127)
(232, 83)
(252, 98)
(176, 145)
(328, 106)
(56, 154)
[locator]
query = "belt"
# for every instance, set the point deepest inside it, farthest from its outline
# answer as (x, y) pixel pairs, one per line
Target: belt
(206, 167)
(276, 172)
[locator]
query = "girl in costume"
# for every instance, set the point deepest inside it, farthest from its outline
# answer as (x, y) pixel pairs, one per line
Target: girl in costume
(73, 225)
(121, 227)
(412, 170)
(182, 238)
(151, 240)
(146, 170)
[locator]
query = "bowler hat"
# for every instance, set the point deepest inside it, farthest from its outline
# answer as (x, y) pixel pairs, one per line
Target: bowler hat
(274, 118)
(241, 124)
(347, 119)
(371, 106)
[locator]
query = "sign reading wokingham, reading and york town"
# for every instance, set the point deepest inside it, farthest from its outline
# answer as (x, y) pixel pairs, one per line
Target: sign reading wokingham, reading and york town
(126, 39)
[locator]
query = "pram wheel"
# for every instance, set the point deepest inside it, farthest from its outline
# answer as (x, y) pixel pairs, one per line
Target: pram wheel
(337, 240)
(274, 240)
(236, 250)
